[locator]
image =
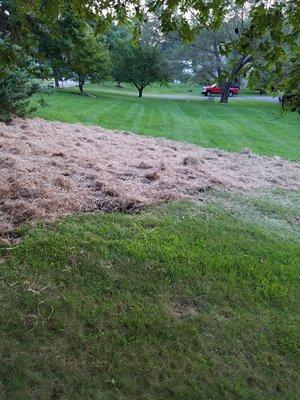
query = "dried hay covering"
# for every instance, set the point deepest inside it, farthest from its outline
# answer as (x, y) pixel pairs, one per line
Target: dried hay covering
(48, 169)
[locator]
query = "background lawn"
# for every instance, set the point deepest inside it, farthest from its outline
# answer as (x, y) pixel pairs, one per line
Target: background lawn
(182, 301)
(189, 89)
(240, 124)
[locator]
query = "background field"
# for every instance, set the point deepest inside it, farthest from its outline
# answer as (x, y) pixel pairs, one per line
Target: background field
(255, 125)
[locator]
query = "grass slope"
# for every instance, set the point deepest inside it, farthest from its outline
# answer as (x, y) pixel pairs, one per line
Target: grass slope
(231, 127)
(179, 302)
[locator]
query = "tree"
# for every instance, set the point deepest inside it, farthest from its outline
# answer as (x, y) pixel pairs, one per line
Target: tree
(16, 88)
(219, 54)
(52, 48)
(117, 38)
(86, 58)
(141, 66)
(241, 36)
(262, 80)
(16, 82)
(290, 99)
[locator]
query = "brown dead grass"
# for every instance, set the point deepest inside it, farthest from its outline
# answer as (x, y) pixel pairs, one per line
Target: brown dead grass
(49, 169)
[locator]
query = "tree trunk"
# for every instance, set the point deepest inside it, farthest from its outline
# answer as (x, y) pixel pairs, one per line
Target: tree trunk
(56, 78)
(225, 92)
(141, 91)
(80, 85)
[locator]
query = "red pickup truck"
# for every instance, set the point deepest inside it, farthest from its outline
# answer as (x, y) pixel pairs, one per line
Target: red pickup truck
(214, 89)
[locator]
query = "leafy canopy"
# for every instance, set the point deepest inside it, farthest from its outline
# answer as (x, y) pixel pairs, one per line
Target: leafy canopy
(16, 88)
(87, 57)
(140, 65)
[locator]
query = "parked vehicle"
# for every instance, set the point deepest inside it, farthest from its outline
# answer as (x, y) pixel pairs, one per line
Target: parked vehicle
(209, 90)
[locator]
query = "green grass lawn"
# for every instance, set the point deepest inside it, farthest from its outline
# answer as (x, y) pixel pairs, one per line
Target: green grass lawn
(232, 127)
(181, 301)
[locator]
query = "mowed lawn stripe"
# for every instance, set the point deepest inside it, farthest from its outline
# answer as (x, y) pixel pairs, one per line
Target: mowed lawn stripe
(275, 126)
(232, 127)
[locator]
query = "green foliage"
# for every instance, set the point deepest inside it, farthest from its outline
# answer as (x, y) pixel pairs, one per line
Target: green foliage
(71, 47)
(117, 38)
(140, 65)
(8, 51)
(88, 58)
(16, 88)
(66, 43)
(283, 77)
(291, 97)
(53, 46)
(16, 36)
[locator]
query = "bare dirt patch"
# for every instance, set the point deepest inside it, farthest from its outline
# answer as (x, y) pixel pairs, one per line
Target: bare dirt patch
(48, 169)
